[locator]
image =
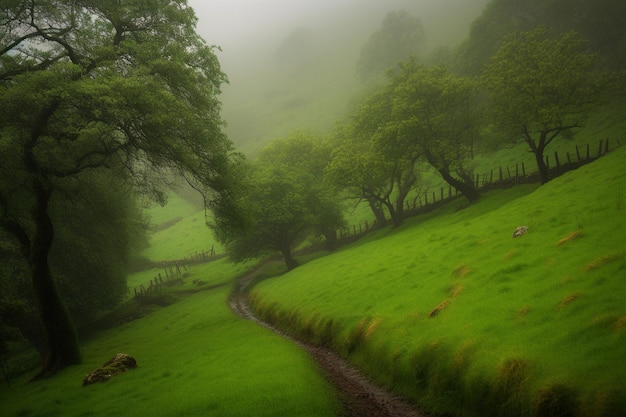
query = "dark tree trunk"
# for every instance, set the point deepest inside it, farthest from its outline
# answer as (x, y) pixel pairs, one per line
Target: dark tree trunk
(61, 341)
(465, 188)
(544, 172)
(330, 238)
(379, 214)
(290, 262)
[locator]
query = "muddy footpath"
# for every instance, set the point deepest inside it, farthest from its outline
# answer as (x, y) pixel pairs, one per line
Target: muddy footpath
(359, 396)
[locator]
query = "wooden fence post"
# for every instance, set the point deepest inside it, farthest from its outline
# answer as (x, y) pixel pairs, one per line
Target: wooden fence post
(600, 149)
(556, 159)
(577, 153)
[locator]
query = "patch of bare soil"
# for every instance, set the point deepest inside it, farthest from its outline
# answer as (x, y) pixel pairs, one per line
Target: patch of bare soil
(359, 396)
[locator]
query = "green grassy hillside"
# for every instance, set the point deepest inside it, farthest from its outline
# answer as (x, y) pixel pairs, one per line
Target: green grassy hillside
(195, 358)
(455, 313)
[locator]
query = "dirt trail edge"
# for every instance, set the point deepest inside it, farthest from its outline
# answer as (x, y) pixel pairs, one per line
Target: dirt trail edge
(359, 396)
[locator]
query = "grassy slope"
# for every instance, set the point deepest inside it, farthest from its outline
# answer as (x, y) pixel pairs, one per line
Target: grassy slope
(522, 319)
(195, 358)
(186, 232)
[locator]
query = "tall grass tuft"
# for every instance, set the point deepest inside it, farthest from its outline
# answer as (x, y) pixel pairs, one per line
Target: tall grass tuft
(557, 400)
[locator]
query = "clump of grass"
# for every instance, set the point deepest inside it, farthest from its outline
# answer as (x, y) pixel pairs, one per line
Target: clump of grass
(509, 394)
(568, 299)
(455, 289)
(557, 399)
(599, 263)
(571, 236)
(356, 337)
(435, 311)
(461, 271)
(371, 328)
(620, 323)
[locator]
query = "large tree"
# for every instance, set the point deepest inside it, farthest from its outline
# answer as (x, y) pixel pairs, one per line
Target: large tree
(90, 256)
(542, 87)
(436, 112)
(285, 201)
(306, 154)
(373, 161)
(127, 85)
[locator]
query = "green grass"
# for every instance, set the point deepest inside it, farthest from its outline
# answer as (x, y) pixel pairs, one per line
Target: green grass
(181, 231)
(194, 358)
(453, 312)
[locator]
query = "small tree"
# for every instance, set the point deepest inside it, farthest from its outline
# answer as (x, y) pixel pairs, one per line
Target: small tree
(542, 88)
(277, 214)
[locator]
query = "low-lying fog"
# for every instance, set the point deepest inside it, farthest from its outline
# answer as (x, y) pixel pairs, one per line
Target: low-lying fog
(292, 64)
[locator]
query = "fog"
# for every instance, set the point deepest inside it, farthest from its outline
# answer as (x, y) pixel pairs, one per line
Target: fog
(291, 64)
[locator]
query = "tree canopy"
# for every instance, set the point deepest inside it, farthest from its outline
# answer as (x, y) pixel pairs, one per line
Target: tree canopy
(285, 201)
(542, 87)
(437, 114)
(127, 86)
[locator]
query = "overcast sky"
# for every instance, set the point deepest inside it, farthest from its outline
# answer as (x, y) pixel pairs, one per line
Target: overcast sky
(237, 25)
(225, 22)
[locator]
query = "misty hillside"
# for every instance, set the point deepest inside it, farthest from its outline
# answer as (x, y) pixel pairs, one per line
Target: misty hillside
(304, 76)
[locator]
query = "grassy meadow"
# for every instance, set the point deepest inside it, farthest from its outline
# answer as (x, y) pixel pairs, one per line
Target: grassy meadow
(195, 357)
(453, 312)
(448, 310)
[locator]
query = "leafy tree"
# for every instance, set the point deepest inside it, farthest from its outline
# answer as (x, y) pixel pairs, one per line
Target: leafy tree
(277, 214)
(88, 84)
(599, 21)
(307, 154)
(400, 36)
(89, 258)
(374, 162)
(356, 169)
(436, 114)
(542, 88)
(285, 201)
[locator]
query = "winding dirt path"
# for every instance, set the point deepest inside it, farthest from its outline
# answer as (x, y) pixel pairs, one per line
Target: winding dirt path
(359, 396)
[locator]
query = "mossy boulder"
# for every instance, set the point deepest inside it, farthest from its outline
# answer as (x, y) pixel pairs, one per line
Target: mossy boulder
(116, 365)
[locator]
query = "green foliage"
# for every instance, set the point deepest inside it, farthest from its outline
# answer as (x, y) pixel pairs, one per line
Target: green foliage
(542, 87)
(436, 114)
(531, 326)
(600, 22)
(286, 201)
(100, 231)
(128, 86)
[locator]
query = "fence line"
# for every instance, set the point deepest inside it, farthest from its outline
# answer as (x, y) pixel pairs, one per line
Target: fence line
(174, 271)
(505, 177)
